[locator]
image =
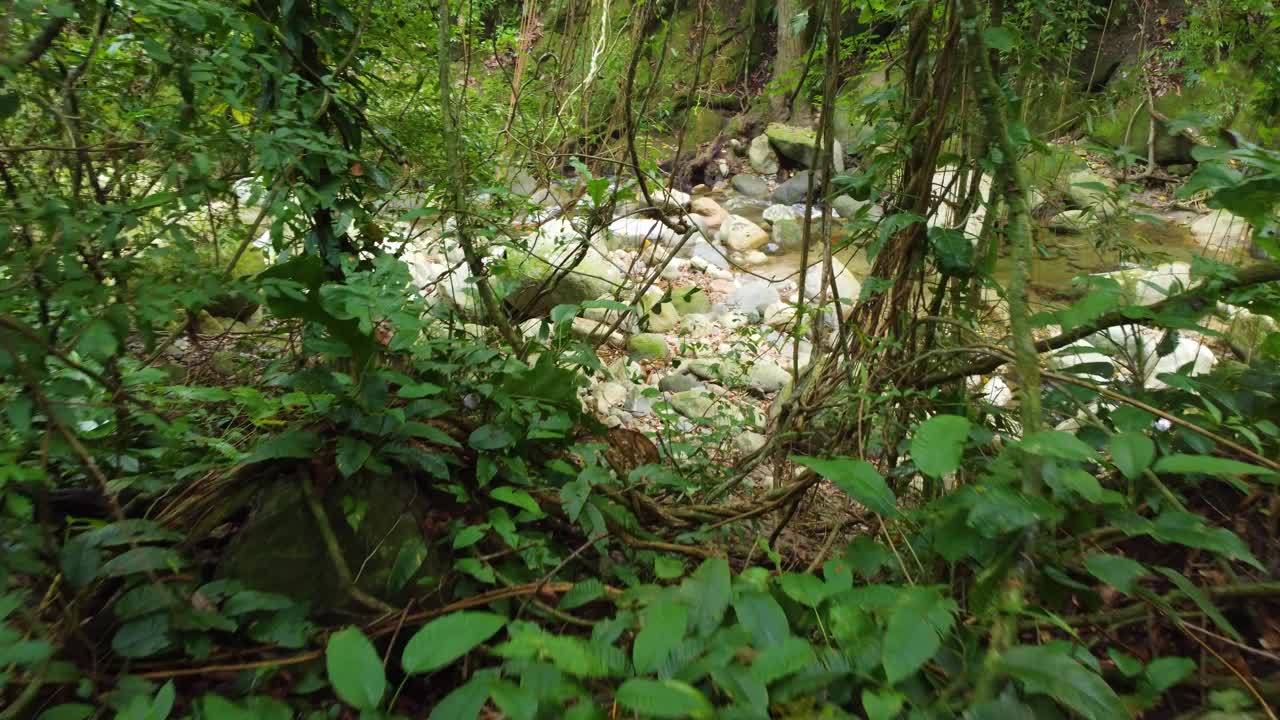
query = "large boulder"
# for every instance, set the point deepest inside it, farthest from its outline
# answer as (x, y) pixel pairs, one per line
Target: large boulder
(659, 317)
(740, 234)
(801, 145)
(552, 247)
(690, 301)
(648, 346)
(703, 126)
(774, 213)
(788, 234)
(711, 213)
(1220, 230)
(762, 157)
(750, 185)
(754, 295)
(1145, 286)
(1090, 191)
(795, 190)
(847, 284)
(767, 377)
(633, 232)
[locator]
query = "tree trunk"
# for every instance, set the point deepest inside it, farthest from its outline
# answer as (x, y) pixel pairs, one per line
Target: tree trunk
(788, 65)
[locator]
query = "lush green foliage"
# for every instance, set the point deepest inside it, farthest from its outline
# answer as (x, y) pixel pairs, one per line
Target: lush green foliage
(172, 170)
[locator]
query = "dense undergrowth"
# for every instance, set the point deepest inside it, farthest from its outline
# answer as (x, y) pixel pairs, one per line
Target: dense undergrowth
(249, 470)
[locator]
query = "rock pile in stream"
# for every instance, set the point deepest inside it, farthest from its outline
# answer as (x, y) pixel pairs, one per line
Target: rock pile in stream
(716, 339)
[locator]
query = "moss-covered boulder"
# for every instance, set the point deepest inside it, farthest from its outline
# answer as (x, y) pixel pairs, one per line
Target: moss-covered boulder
(690, 301)
(1223, 97)
(280, 550)
(648, 346)
(702, 126)
(544, 274)
(800, 145)
(658, 316)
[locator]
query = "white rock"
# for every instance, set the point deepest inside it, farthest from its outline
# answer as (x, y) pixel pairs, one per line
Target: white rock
(762, 156)
(847, 283)
(754, 258)
(674, 201)
(748, 442)
(1145, 286)
(1221, 231)
(774, 213)
(754, 295)
(637, 232)
(778, 315)
(739, 233)
(709, 211)
(767, 376)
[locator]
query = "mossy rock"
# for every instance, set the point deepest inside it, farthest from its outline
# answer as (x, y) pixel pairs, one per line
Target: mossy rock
(280, 550)
(648, 346)
(800, 145)
(1212, 96)
(702, 126)
(690, 301)
(529, 272)
(658, 316)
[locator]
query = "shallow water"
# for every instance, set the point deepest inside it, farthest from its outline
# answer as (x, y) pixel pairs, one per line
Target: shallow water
(1058, 259)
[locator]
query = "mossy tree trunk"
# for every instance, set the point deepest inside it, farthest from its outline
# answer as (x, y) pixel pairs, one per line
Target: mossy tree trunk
(788, 64)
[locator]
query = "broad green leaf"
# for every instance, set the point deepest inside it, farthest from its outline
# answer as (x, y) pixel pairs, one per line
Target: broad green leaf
(1164, 673)
(352, 454)
(762, 615)
(786, 658)
(1132, 452)
(708, 591)
(448, 638)
(952, 251)
(667, 568)
(68, 711)
(938, 444)
(804, 588)
(858, 479)
(1079, 482)
(882, 705)
(1208, 465)
(355, 670)
(561, 313)
(295, 444)
(664, 699)
(663, 631)
(142, 559)
(216, 707)
(430, 433)
(80, 561)
(515, 496)
(476, 569)
(1115, 570)
(1201, 600)
(464, 703)
(469, 536)
(1189, 529)
(419, 390)
(1051, 671)
(909, 641)
(409, 558)
(490, 437)
(1057, 444)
